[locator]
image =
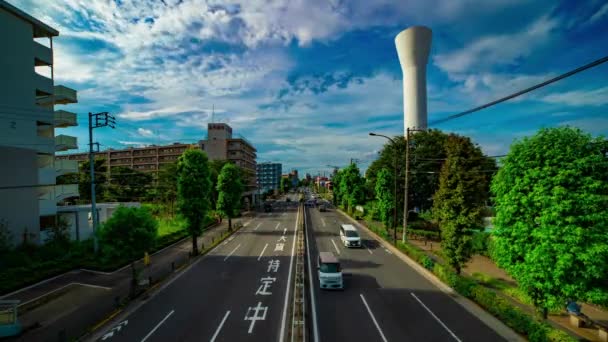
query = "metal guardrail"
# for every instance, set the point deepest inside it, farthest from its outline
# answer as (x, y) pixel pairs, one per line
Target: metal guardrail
(298, 320)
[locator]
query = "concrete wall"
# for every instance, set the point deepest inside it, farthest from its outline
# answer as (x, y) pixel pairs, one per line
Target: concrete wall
(19, 207)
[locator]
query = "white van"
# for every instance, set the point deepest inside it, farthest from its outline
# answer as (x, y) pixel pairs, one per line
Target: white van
(330, 272)
(350, 236)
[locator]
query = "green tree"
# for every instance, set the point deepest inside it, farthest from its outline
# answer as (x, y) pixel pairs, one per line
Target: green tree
(215, 166)
(166, 185)
(551, 233)
(285, 184)
(126, 184)
(385, 197)
(460, 199)
(83, 179)
(230, 189)
(193, 191)
(352, 187)
(130, 232)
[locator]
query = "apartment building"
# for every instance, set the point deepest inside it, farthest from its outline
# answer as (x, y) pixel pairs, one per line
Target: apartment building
(269, 176)
(28, 122)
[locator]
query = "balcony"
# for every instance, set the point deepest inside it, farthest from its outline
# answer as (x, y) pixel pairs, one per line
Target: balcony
(66, 191)
(43, 85)
(63, 167)
(64, 118)
(42, 54)
(65, 95)
(45, 145)
(46, 175)
(65, 142)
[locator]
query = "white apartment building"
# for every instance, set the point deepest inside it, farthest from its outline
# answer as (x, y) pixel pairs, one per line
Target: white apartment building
(28, 119)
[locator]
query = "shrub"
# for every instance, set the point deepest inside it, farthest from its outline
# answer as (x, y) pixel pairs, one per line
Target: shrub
(479, 243)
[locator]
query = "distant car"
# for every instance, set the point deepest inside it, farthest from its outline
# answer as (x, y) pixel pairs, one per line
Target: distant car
(349, 235)
(323, 207)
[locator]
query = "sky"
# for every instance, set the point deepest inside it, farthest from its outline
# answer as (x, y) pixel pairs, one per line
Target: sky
(306, 80)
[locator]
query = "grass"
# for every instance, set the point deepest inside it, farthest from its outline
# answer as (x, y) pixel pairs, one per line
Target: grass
(169, 225)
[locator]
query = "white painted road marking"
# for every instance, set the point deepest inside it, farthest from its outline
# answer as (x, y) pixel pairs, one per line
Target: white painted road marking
(217, 332)
(157, 326)
(277, 226)
(336, 246)
(387, 251)
(284, 231)
(258, 226)
(255, 317)
(282, 333)
(312, 292)
(373, 318)
(436, 318)
(260, 257)
(323, 221)
(234, 250)
(369, 250)
(115, 329)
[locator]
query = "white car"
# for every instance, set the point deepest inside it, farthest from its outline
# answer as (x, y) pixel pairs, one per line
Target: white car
(349, 235)
(330, 272)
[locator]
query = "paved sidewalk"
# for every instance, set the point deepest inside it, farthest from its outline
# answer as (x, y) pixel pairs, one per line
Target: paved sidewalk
(79, 299)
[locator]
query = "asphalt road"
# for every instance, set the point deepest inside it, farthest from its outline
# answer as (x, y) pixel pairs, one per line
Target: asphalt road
(235, 293)
(384, 299)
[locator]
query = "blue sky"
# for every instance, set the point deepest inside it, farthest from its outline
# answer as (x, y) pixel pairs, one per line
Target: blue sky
(306, 80)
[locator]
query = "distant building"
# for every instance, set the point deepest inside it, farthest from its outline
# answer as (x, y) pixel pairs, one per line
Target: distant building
(293, 177)
(80, 221)
(269, 176)
(28, 122)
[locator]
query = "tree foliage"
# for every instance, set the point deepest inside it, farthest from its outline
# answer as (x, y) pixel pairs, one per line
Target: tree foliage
(551, 221)
(285, 184)
(129, 232)
(459, 201)
(193, 191)
(351, 187)
(230, 189)
(126, 184)
(385, 197)
(83, 179)
(215, 167)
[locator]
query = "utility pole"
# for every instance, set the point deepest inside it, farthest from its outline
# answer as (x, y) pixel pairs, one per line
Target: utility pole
(407, 173)
(96, 120)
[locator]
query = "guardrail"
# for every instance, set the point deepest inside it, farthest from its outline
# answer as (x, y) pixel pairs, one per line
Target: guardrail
(298, 321)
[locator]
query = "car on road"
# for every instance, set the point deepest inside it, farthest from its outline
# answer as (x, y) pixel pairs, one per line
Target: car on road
(330, 272)
(349, 235)
(267, 207)
(323, 207)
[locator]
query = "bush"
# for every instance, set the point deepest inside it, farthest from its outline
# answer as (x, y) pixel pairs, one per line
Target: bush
(480, 242)
(426, 234)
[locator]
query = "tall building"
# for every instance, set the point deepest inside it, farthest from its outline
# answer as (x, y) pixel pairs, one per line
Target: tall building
(28, 119)
(269, 176)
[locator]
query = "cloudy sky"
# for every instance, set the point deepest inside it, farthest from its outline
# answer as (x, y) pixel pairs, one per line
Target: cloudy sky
(306, 80)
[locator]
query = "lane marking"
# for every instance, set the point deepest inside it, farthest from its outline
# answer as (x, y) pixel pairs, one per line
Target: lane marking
(323, 221)
(260, 257)
(336, 246)
(387, 251)
(217, 332)
(284, 231)
(234, 250)
(157, 326)
(277, 226)
(258, 226)
(373, 318)
(311, 287)
(288, 287)
(436, 318)
(369, 250)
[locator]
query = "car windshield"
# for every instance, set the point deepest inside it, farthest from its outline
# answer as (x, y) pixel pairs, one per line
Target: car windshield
(330, 268)
(351, 233)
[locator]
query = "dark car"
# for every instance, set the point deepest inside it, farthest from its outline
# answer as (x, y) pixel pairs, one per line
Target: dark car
(267, 207)
(323, 207)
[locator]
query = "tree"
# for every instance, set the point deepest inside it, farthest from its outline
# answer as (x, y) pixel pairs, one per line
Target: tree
(460, 199)
(285, 184)
(128, 185)
(351, 187)
(167, 185)
(130, 232)
(83, 178)
(230, 189)
(385, 196)
(193, 191)
(551, 232)
(215, 167)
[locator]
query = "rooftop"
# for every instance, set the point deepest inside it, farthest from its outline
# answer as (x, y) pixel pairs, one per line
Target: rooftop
(40, 29)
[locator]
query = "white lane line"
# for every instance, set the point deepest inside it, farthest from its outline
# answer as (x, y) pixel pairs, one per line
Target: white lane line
(277, 226)
(217, 332)
(234, 250)
(288, 287)
(336, 246)
(258, 226)
(311, 287)
(157, 326)
(260, 257)
(323, 221)
(373, 318)
(369, 250)
(387, 251)
(284, 231)
(436, 318)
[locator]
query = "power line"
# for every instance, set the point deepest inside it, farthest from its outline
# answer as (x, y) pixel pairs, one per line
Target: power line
(521, 92)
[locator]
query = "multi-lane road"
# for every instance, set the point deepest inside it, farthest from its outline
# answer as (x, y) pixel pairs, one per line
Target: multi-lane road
(241, 290)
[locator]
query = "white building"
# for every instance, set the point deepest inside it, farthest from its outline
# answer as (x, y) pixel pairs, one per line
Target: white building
(28, 141)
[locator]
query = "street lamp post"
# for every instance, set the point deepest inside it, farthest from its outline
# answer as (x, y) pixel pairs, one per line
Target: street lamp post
(395, 185)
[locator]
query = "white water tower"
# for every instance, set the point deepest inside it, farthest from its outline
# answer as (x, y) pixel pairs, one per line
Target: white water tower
(413, 47)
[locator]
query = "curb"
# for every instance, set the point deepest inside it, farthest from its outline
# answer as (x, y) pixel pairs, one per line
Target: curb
(96, 333)
(494, 323)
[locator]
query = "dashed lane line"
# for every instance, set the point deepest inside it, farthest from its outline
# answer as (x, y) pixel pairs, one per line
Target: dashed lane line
(219, 328)
(234, 250)
(157, 326)
(436, 318)
(335, 246)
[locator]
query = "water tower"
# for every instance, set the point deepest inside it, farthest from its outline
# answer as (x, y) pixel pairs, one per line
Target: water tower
(413, 47)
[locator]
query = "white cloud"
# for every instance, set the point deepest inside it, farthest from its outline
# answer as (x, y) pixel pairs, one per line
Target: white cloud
(133, 143)
(145, 132)
(590, 125)
(594, 97)
(599, 14)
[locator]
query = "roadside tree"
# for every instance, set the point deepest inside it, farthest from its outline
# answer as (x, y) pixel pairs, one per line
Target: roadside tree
(551, 232)
(385, 197)
(460, 199)
(230, 190)
(193, 191)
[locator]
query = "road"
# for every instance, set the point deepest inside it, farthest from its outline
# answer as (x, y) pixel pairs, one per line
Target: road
(235, 293)
(384, 299)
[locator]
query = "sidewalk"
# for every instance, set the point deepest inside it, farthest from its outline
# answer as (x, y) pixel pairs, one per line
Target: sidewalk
(483, 265)
(66, 306)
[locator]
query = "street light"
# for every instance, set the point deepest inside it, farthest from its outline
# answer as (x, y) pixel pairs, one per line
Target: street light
(395, 184)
